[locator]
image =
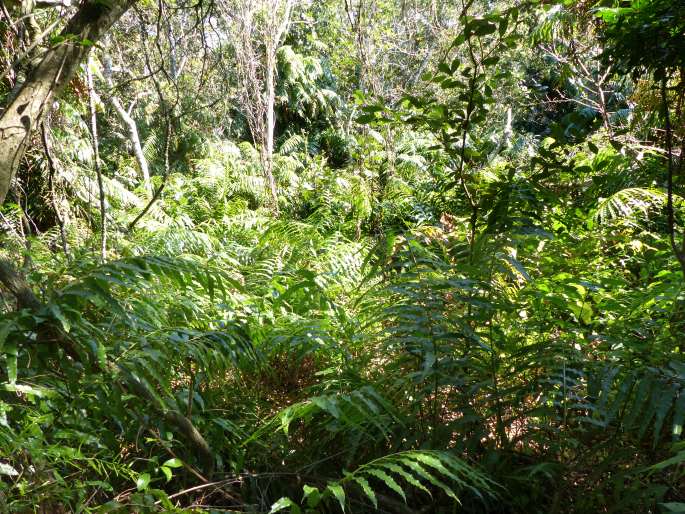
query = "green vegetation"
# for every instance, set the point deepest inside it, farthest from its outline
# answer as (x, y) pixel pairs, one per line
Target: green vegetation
(342, 256)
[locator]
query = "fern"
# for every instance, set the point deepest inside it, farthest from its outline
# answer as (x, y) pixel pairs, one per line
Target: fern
(293, 143)
(640, 401)
(364, 411)
(416, 469)
(631, 203)
(153, 148)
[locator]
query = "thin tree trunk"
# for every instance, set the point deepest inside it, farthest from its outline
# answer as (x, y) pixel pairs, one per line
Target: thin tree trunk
(258, 74)
(96, 164)
(604, 110)
(131, 125)
(135, 140)
(270, 125)
(45, 127)
(679, 252)
(277, 33)
(24, 113)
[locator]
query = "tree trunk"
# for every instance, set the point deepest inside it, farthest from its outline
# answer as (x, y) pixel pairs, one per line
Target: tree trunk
(678, 248)
(96, 162)
(51, 75)
(135, 141)
(270, 125)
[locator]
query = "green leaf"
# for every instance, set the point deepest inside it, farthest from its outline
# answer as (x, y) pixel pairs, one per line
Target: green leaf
(663, 407)
(57, 312)
(372, 108)
(673, 507)
(586, 313)
(102, 355)
(143, 481)
(364, 484)
(679, 415)
(455, 65)
(40, 392)
(642, 395)
(327, 404)
(5, 329)
(312, 495)
(503, 24)
(407, 476)
(481, 27)
(388, 480)
(11, 359)
(435, 463)
(339, 494)
(364, 119)
(173, 463)
(421, 471)
(284, 503)
(677, 459)
(167, 473)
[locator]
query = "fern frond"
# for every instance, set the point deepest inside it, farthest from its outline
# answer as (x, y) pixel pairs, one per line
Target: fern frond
(153, 148)
(294, 143)
(401, 472)
(364, 411)
(640, 401)
(630, 203)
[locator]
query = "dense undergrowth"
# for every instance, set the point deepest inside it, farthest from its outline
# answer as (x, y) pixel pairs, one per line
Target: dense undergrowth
(451, 312)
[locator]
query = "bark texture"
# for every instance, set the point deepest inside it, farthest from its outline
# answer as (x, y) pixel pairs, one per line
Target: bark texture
(24, 113)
